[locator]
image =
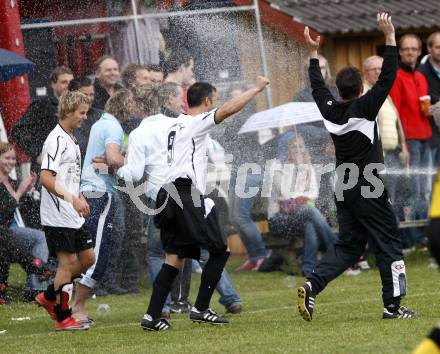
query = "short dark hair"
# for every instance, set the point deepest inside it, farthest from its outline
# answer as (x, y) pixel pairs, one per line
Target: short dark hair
(169, 89)
(198, 92)
(59, 70)
(153, 67)
(101, 59)
(349, 82)
(177, 58)
(82, 81)
(128, 74)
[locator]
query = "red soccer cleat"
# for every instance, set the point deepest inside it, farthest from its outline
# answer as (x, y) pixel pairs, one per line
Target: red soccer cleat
(70, 324)
(49, 306)
(248, 265)
(3, 300)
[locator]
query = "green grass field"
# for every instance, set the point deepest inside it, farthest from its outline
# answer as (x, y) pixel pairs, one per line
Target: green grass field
(347, 319)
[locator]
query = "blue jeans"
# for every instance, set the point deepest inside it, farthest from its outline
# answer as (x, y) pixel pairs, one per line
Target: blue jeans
(420, 158)
(435, 156)
(396, 182)
(240, 210)
(228, 295)
(316, 231)
(34, 239)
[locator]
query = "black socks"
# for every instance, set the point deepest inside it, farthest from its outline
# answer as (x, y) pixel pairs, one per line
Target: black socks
(435, 336)
(49, 293)
(161, 288)
(210, 277)
(62, 309)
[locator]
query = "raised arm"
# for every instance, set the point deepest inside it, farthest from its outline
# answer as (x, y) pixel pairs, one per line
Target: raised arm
(237, 103)
(371, 102)
(321, 94)
(386, 26)
(312, 45)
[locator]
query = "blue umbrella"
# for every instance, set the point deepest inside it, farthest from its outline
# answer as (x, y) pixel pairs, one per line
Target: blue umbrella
(12, 65)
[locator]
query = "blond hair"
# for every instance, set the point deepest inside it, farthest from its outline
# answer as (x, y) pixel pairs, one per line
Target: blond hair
(70, 102)
(5, 147)
(151, 97)
(369, 59)
(120, 104)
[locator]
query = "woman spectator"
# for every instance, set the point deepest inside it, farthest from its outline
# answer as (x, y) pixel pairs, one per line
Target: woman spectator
(292, 212)
(18, 243)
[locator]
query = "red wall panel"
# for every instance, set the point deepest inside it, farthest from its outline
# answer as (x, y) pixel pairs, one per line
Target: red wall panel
(14, 94)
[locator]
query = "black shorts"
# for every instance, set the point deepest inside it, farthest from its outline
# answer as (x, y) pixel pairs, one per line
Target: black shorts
(184, 230)
(63, 239)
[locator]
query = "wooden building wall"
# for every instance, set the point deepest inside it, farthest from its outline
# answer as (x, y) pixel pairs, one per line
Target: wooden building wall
(285, 59)
(343, 51)
(346, 50)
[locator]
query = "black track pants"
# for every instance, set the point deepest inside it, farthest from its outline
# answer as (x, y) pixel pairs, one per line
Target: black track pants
(363, 220)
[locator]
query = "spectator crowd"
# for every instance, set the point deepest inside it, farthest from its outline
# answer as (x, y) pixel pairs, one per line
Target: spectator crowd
(303, 217)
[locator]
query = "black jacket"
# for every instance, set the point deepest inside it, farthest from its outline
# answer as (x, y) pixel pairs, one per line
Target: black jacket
(7, 206)
(101, 95)
(34, 126)
(130, 124)
(434, 91)
(352, 124)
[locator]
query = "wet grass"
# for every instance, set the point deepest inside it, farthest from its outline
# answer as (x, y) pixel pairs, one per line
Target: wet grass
(347, 320)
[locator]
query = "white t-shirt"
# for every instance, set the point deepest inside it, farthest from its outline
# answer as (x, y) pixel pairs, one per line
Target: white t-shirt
(200, 142)
(164, 148)
(61, 155)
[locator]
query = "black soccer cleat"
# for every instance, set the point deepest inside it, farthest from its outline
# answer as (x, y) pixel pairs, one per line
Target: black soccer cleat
(180, 307)
(207, 316)
(148, 324)
(306, 301)
(401, 313)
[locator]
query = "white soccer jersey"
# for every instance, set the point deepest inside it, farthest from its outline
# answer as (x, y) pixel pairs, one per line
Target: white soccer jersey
(200, 143)
(164, 149)
(61, 155)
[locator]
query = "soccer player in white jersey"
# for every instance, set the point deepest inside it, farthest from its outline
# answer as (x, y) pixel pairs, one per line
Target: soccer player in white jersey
(164, 149)
(63, 209)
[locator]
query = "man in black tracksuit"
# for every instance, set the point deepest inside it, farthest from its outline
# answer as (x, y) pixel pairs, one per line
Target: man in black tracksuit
(363, 210)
